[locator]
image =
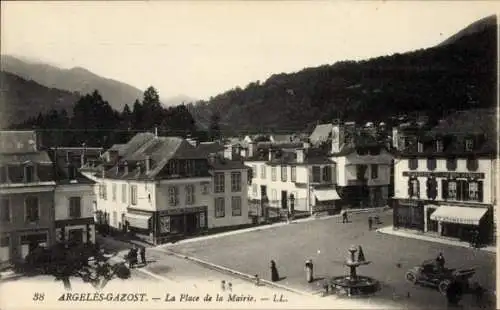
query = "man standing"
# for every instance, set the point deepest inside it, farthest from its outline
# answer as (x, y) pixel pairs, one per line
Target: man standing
(143, 255)
(440, 261)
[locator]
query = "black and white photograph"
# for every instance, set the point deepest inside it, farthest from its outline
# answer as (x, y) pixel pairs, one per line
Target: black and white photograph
(249, 154)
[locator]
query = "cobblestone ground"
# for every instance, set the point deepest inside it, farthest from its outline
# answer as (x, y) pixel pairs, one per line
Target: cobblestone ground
(326, 242)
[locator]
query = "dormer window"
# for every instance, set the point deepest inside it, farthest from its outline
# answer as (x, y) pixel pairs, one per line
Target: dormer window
(439, 146)
(72, 172)
(469, 145)
(29, 173)
(173, 167)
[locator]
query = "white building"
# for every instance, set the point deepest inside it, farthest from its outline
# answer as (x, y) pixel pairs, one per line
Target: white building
(74, 200)
(446, 178)
(161, 187)
(363, 167)
(291, 180)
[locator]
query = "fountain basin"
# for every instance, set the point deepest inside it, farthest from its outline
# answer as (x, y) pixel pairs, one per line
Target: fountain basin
(354, 286)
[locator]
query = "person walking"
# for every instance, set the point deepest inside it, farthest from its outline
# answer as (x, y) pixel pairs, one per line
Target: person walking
(274, 272)
(344, 216)
(143, 255)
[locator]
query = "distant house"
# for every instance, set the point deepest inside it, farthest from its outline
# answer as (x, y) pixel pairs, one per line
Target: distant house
(26, 195)
(283, 138)
(74, 200)
(294, 179)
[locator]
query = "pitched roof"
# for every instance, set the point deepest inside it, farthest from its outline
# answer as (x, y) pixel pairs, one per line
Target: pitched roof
(120, 148)
(210, 147)
(225, 164)
(159, 149)
(321, 133)
(283, 138)
(62, 167)
(17, 142)
(470, 122)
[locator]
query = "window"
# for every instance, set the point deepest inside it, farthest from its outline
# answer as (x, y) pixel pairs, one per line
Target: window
(273, 174)
(3, 174)
(5, 211)
(133, 195)
(219, 183)
(283, 174)
(124, 193)
(220, 208)
(469, 145)
(474, 191)
(254, 190)
(190, 194)
(431, 164)
(102, 191)
(316, 174)
(29, 174)
(439, 145)
(236, 206)
(113, 192)
(414, 188)
(452, 190)
(254, 171)
(32, 210)
(413, 164)
(75, 209)
(451, 164)
(274, 195)
(173, 195)
(263, 172)
(293, 174)
(236, 182)
(374, 171)
(189, 167)
(327, 173)
(472, 164)
(115, 219)
(205, 188)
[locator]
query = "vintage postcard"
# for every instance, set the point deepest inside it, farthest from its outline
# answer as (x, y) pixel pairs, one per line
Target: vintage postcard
(249, 154)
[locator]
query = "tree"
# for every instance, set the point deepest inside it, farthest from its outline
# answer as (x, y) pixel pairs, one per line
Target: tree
(214, 129)
(65, 261)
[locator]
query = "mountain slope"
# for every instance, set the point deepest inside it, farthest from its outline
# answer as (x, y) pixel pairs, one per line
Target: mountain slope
(74, 80)
(21, 99)
(458, 75)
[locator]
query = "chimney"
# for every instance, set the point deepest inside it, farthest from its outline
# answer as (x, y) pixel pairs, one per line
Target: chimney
(228, 152)
(139, 168)
(395, 138)
(112, 156)
(300, 155)
(271, 154)
(251, 149)
(337, 138)
(148, 163)
(306, 145)
(125, 168)
(211, 158)
(156, 132)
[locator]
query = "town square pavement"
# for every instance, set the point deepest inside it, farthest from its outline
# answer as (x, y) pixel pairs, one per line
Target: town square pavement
(326, 242)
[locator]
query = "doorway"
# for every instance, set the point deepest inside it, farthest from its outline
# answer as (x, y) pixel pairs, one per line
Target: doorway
(284, 200)
(432, 225)
(192, 223)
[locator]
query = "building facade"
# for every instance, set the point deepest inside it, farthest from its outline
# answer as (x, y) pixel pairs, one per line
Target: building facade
(26, 195)
(162, 188)
(291, 180)
(363, 166)
(445, 178)
(74, 198)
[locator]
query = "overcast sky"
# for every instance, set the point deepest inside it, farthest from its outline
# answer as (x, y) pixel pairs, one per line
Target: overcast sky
(203, 48)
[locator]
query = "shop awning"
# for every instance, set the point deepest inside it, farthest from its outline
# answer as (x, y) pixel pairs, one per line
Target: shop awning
(138, 220)
(459, 215)
(326, 194)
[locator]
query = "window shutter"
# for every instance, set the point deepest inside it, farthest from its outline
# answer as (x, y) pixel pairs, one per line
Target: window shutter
(444, 189)
(465, 190)
(428, 188)
(410, 189)
(480, 190)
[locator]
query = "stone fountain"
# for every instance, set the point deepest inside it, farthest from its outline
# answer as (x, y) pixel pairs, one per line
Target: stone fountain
(354, 284)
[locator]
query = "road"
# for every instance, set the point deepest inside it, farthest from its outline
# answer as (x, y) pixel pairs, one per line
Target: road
(326, 242)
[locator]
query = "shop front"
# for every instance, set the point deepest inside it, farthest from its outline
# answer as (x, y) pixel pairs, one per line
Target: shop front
(408, 214)
(460, 221)
(179, 222)
(325, 199)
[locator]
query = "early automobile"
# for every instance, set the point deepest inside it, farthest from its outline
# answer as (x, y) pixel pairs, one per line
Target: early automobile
(430, 274)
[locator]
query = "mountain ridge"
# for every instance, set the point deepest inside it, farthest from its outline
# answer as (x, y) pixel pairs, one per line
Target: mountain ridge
(76, 79)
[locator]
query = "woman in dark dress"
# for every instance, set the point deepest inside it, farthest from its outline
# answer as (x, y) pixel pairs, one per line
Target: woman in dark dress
(274, 272)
